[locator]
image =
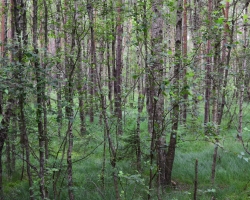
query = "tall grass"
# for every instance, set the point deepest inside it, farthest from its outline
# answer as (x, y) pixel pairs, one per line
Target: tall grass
(232, 179)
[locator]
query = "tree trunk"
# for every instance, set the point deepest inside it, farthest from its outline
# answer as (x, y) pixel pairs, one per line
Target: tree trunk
(80, 88)
(118, 70)
(3, 135)
(40, 98)
(25, 144)
(184, 54)
(46, 42)
(208, 69)
(20, 21)
(242, 75)
(141, 98)
(58, 67)
(228, 57)
(175, 114)
(3, 41)
(195, 37)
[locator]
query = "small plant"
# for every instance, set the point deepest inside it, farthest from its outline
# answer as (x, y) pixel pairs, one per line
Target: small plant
(128, 180)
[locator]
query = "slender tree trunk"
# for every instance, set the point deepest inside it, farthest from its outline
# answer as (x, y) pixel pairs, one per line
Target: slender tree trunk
(3, 41)
(46, 42)
(110, 85)
(195, 179)
(112, 146)
(231, 37)
(113, 51)
(22, 38)
(8, 157)
(101, 71)
(70, 67)
(80, 89)
(108, 57)
(208, 69)
(40, 98)
(223, 61)
(46, 99)
(12, 55)
(2, 55)
(3, 135)
(141, 98)
(93, 59)
(195, 37)
(59, 67)
(70, 116)
(104, 158)
(25, 143)
(184, 54)
(13, 146)
(118, 70)
(175, 115)
(242, 73)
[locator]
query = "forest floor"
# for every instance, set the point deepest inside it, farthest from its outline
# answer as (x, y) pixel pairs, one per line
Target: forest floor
(232, 179)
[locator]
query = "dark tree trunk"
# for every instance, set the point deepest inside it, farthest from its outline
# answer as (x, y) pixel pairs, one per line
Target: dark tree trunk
(80, 88)
(184, 54)
(208, 70)
(25, 144)
(3, 41)
(118, 69)
(93, 60)
(20, 21)
(58, 67)
(40, 98)
(3, 135)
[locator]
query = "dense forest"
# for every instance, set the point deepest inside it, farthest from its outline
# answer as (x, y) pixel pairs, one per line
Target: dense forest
(124, 99)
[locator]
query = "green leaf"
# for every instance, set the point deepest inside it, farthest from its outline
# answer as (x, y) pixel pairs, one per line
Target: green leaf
(199, 97)
(166, 82)
(246, 129)
(189, 74)
(220, 20)
(245, 18)
(135, 76)
(169, 52)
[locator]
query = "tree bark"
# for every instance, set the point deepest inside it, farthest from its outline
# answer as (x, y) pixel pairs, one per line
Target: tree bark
(184, 54)
(243, 74)
(58, 67)
(208, 69)
(195, 179)
(118, 70)
(80, 88)
(3, 135)
(175, 114)
(19, 17)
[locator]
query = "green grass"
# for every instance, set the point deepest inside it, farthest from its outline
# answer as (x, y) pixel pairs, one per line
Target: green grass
(232, 173)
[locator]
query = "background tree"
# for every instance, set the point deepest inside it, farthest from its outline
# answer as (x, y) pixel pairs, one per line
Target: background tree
(149, 70)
